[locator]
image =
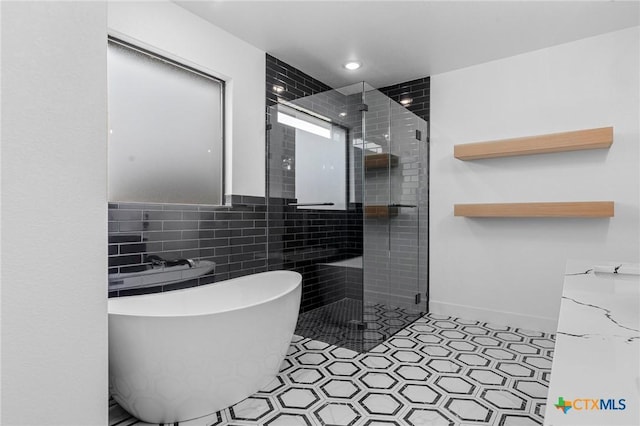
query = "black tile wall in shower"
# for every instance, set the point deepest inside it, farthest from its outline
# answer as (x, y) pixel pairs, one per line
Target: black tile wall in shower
(289, 83)
(417, 90)
(307, 241)
(233, 236)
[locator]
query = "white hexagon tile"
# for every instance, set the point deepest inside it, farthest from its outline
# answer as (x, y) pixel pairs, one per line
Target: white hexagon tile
(436, 371)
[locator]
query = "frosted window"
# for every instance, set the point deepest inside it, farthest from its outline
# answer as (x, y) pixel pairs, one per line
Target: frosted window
(165, 131)
(321, 168)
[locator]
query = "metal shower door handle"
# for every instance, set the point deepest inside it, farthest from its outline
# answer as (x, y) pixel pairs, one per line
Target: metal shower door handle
(402, 205)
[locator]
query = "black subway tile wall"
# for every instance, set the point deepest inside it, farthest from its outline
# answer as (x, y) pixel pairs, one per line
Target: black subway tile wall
(417, 90)
(308, 241)
(233, 236)
(289, 83)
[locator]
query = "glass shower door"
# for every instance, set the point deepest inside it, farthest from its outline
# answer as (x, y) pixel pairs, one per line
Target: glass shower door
(407, 139)
(394, 294)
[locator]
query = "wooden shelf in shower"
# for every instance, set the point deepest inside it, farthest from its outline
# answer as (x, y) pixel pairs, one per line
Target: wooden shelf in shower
(557, 209)
(542, 144)
(380, 212)
(380, 161)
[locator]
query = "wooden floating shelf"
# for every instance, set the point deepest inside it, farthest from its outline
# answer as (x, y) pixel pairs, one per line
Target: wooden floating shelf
(542, 144)
(380, 161)
(563, 209)
(380, 212)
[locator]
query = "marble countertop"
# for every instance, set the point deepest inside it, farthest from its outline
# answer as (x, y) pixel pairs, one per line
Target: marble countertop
(597, 352)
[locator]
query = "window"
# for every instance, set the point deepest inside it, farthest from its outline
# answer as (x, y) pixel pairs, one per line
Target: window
(320, 160)
(165, 130)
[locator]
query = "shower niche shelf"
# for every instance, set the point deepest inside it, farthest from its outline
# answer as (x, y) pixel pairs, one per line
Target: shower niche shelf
(541, 144)
(586, 209)
(380, 211)
(380, 161)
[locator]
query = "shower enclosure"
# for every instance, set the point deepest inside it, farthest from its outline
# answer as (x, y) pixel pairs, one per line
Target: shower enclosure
(347, 208)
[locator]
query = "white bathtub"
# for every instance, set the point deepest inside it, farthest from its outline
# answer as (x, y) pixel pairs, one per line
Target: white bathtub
(184, 354)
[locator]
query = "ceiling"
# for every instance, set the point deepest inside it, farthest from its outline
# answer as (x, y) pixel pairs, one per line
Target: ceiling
(397, 41)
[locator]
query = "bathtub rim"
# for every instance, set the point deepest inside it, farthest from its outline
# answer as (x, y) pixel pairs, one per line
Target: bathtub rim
(292, 288)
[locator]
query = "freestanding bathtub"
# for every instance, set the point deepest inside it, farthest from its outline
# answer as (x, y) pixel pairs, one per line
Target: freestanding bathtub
(187, 353)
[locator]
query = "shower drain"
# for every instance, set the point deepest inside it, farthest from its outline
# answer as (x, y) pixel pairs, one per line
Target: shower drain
(356, 325)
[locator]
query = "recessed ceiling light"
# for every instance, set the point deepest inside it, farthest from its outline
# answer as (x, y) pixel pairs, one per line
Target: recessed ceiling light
(406, 101)
(343, 114)
(352, 65)
(278, 89)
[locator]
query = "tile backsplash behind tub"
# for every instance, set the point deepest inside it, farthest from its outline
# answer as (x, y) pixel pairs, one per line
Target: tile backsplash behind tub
(233, 236)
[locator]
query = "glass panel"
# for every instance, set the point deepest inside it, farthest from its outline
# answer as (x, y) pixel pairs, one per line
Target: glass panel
(404, 197)
(423, 217)
(323, 243)
(394, 264)
(321, 163)
(377, 191)
(320, 160)
(165, 131)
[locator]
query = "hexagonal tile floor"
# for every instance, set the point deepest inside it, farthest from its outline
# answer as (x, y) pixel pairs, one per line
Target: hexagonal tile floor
(437, 371)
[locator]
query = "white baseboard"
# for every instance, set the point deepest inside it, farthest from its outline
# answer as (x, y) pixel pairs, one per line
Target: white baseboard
(511, 319)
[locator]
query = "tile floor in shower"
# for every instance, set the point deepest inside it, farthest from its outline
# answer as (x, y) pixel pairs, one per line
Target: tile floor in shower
(436, 371)
(350, 324)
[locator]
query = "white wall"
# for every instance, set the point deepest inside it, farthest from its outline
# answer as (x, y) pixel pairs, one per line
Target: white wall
(510, 271)
(170, 30)
(54, 216)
